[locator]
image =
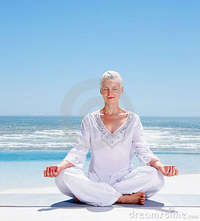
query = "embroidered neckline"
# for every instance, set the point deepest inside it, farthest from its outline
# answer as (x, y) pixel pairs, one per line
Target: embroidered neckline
(119, 135)
(100, 120)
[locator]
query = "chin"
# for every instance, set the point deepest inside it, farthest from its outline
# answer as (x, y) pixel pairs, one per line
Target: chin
(111, 101)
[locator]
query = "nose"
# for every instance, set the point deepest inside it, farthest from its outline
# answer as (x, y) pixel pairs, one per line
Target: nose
(109, 92)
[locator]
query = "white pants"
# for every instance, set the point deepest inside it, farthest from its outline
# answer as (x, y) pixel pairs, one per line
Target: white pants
(75, 182)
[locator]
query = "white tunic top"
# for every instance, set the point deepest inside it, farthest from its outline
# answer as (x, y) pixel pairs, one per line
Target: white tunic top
(111, 153)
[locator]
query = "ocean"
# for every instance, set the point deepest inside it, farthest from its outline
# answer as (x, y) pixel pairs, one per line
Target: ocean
(30, 143)
(40, 133)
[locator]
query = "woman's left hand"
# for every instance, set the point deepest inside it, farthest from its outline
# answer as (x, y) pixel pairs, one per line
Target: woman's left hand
(168, 170)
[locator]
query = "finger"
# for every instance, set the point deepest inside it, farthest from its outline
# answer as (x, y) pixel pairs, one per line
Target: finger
(51, 172)
(54, 171)
(58, 171)
(44, 173)
(171, 170)
(167, 170)
(176, 172)
(47, 172)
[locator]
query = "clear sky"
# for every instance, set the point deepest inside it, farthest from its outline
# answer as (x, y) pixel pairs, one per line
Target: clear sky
(53, 53)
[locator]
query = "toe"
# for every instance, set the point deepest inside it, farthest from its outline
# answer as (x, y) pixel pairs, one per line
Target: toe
(142, 202)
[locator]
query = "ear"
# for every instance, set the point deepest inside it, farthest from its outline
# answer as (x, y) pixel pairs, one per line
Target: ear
(122, 90)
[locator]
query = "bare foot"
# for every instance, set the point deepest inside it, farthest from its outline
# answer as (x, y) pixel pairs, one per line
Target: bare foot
(134, 198)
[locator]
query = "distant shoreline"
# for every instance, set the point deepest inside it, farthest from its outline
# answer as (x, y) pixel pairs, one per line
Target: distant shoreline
(162, 116)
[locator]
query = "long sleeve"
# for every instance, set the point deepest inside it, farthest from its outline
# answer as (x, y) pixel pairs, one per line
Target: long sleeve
(77, 154)
(139, 145)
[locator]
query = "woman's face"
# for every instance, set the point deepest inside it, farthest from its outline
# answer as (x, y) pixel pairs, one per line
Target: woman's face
(111, 91)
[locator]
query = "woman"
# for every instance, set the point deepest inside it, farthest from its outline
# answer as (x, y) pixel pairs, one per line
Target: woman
(112, 135)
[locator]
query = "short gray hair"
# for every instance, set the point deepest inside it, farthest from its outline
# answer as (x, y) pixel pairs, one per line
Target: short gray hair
(111, 75)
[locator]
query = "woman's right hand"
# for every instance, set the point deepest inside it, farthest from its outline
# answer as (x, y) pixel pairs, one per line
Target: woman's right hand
(52, 171)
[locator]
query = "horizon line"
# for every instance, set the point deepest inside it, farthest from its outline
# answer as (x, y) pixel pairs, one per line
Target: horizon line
(42, 115)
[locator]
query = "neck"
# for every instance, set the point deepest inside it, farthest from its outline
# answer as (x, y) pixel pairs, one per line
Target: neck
(111, 109)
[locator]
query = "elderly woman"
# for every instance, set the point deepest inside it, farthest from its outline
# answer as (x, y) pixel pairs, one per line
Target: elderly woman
(112, 135)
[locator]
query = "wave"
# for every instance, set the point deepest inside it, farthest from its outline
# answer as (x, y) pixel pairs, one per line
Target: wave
(158, 138)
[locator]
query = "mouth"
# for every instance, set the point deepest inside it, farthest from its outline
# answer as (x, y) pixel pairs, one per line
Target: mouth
(110, 97)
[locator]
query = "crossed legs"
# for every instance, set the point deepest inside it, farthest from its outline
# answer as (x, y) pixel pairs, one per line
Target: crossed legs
(141, 183)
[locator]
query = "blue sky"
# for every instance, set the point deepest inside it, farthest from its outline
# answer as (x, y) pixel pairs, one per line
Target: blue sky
(54, 52)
